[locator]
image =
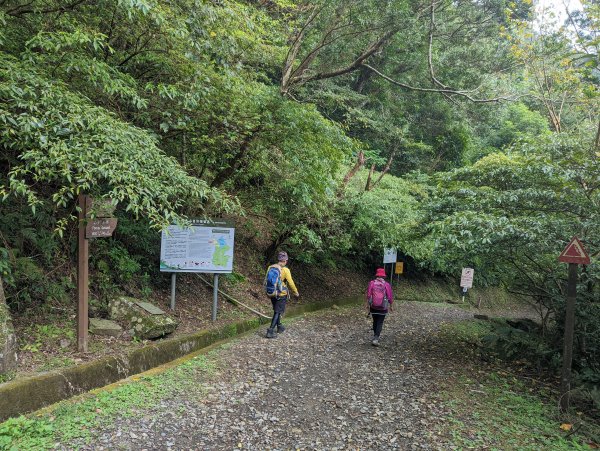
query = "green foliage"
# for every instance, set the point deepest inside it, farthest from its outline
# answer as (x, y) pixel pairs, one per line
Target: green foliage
(8, 376)
(15, 431)
(509, 216)
(235, 278)
(503, 412)
(46, 336)
(63, 140)
(519, 123)
(464, 337)
(384, 216)
(174, 108)
(506, 208)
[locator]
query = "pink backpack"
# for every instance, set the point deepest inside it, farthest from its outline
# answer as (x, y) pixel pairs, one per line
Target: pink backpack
(378, 299)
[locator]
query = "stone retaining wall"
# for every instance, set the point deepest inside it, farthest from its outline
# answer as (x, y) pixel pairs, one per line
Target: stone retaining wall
(32, 393)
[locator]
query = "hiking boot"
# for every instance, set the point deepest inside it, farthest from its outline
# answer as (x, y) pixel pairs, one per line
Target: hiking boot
(271, 333)
(375, 341)
(280, 328)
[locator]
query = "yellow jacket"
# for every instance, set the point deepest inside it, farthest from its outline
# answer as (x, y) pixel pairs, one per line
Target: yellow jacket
(287, 281)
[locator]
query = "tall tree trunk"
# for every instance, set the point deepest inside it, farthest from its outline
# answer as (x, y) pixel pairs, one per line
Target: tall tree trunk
(386, 169)
(8, 340)
(370, 184)
(369, 178)
(360, 162)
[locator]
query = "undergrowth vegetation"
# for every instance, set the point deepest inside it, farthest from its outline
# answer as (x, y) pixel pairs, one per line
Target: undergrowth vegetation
(498, 411)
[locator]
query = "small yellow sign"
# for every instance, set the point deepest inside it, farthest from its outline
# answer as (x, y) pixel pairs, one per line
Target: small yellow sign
(399, 268)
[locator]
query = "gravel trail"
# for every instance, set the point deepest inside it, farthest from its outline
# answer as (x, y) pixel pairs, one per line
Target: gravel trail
(319, 385)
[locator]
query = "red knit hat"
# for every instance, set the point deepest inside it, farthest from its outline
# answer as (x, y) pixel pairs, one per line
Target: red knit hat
(380, 273)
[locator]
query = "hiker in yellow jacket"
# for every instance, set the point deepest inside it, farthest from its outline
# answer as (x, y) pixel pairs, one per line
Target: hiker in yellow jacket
(279, 283)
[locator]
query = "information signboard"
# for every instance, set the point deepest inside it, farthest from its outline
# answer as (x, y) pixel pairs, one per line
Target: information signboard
(389, 255)
(205, 246)
(466, 278)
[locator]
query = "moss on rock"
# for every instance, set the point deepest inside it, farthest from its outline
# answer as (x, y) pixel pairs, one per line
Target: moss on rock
(143, 324)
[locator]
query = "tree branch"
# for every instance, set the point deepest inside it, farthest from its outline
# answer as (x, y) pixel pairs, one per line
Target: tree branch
(430, 48)
(360, 162)
(356, 64)
(386, 168)
(369, 178)
(23, 9)
(449, 91)
(293, 51)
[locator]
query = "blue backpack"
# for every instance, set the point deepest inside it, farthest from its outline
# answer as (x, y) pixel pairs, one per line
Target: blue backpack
(273, 283)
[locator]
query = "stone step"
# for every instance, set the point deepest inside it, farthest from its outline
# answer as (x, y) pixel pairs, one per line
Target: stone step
(99, 326)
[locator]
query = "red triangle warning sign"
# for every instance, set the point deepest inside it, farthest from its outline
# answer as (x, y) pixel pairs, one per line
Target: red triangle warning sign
(574, 253)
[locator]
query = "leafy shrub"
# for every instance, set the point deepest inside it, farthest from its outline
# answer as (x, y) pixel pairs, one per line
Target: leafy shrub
(14, 430)
(510, 343)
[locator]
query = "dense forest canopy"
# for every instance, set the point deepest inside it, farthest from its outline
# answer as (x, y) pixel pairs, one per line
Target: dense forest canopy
(460, 132)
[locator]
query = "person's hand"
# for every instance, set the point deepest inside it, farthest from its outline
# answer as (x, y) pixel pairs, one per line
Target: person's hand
(297, 295)
(391, 308)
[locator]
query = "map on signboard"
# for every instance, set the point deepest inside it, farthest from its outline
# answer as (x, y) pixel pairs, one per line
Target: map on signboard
(205, 246)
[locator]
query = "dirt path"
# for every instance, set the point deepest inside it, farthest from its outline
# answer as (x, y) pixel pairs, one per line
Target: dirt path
(319, 385)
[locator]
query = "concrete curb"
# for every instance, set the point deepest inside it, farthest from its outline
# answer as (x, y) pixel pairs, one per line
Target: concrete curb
(28, 394)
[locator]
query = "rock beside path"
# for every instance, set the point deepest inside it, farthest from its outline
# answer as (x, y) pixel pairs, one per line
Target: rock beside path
(99, 326)
(144, 323)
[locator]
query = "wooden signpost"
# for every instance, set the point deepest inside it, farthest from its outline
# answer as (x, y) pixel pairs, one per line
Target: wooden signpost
(574, 254)
(96, 227)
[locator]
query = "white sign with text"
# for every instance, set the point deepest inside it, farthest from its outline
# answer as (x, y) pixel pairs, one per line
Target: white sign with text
(466, 278)
(204, 246)
(389, 255)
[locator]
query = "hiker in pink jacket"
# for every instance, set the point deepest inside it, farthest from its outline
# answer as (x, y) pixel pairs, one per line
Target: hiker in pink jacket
(379, 301)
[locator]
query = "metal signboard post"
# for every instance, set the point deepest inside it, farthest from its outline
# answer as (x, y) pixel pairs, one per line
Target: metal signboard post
(206, 246)
(100, 226)
(82, 278)
(574, 254)
(466, 280)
